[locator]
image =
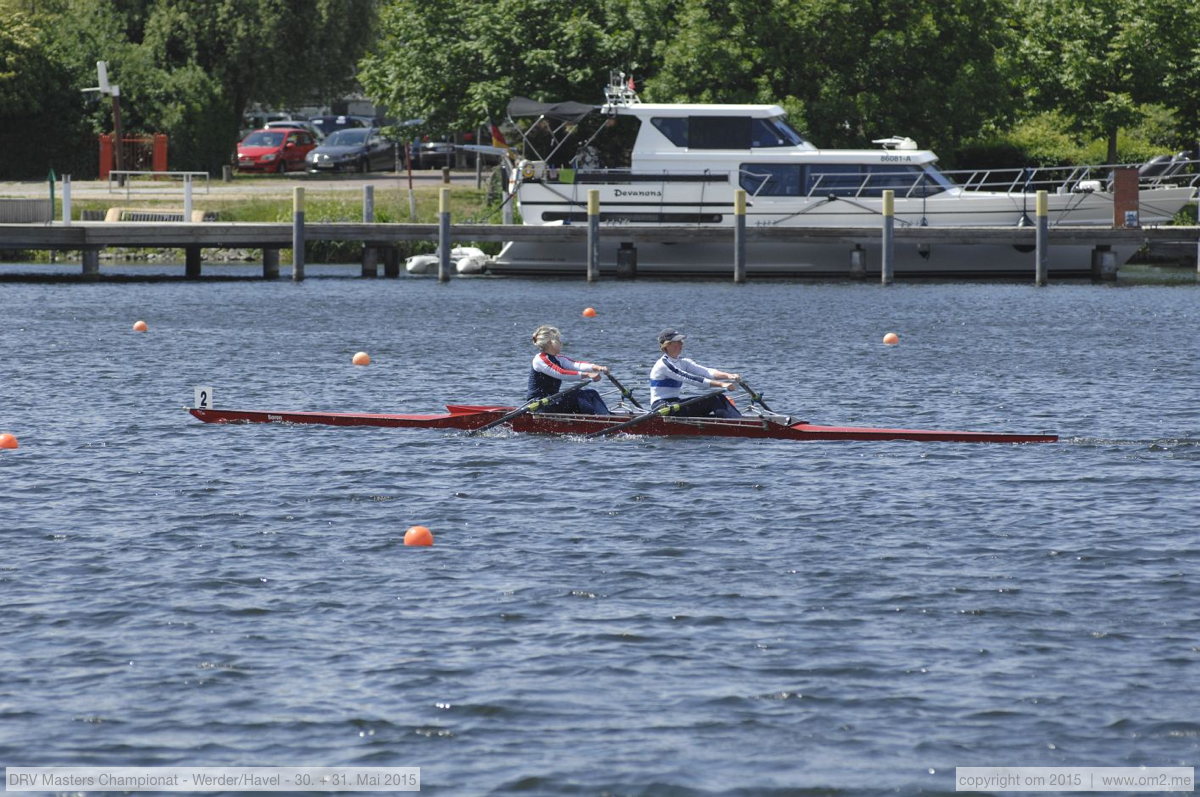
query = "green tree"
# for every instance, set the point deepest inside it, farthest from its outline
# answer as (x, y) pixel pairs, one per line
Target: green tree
(191, 69)
(456, 62)
(41, 122)
(846, 71)
(1099, 62)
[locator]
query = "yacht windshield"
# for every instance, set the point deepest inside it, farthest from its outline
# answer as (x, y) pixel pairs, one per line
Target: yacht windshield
(727, 132)
(775, 132)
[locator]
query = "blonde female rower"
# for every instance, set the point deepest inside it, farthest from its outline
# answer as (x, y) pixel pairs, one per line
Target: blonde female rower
(551, 368)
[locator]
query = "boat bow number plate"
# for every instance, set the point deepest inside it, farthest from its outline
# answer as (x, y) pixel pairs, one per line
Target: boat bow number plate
(203, 399)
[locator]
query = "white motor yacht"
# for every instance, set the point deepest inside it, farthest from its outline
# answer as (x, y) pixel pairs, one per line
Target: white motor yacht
(687, 160)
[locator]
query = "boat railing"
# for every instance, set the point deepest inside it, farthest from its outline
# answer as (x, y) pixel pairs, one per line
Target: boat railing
(1160, 172)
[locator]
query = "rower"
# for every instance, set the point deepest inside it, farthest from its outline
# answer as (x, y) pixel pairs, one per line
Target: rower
(551, 367)
(669, 374)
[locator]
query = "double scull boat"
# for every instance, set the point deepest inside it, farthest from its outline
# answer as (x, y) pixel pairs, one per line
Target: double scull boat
(468, 417)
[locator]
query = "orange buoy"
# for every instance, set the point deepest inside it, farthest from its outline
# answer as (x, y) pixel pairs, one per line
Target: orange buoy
(361, 358)
(589, 312)
(891, 339)
(140, 326)
(8, 441)
(418, 535)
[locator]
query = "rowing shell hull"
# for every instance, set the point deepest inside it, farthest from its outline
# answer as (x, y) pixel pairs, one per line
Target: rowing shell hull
(468, 417)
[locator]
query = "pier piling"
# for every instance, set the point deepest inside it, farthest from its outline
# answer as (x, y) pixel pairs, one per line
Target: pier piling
(739, 236)
(297, 234)
(191, 262)
(593, 235)
(66, 200)
(1042, 234)
(91, 261)
(858, 262)
(444, 235)
(370, 255)
(270, 263)
(887, 261)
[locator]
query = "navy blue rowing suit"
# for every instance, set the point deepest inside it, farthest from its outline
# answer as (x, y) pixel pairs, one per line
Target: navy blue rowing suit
(546, 378)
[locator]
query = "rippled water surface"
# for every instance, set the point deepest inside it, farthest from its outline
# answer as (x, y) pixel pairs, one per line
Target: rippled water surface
(627, 616)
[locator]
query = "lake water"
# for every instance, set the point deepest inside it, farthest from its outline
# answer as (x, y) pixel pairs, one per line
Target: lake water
(627, 616)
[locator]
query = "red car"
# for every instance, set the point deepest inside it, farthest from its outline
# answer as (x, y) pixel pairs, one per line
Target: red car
(275, 149)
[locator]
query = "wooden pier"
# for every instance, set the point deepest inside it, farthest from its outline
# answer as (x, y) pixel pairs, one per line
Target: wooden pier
(90, 238)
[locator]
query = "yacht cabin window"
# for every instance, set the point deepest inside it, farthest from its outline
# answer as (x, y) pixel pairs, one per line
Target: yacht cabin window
(727, 132)
(839, 179)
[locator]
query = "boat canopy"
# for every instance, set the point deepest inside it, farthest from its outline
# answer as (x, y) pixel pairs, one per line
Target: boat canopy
(562, 111)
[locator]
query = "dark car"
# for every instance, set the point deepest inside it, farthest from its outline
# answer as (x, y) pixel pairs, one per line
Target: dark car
(274, 150)
(431, 154)
(358, 149)
(328, 125)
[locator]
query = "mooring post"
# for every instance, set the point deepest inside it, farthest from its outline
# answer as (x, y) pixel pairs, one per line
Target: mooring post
(1042, 233)
(391, 262)
(270, 264)
(370, 255)
(593, 235)
(887, 259)
(297, 234)
(66, 200)
(1104, 263)
(858, 262)
(91, 261)
(739, 236)
(191, 262)
(187, 197)
(444, 235)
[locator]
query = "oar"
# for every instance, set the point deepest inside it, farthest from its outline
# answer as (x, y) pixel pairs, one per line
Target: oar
(757, 397)
(529, 406)
(625, 394)
(754, 396)
(664, 410)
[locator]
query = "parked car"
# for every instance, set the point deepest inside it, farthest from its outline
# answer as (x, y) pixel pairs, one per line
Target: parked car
(274, 149)
(328, 125)
(431, 154)
(361, 149)
(298, 124)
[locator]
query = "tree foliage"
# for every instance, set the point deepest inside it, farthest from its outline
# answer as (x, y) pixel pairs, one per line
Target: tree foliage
(846, 71)
(455, 63)
(41, 127)
(191, 69)
(1102, 63)
(949, 73)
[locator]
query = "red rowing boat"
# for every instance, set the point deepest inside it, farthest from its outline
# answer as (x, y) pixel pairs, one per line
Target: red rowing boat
(468, 416)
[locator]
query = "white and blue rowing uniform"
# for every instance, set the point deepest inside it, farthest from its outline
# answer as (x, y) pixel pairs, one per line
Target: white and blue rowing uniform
(548, 373)
(670, 374)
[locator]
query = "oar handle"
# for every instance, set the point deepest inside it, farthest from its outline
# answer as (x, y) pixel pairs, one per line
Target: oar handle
(754, 396)
(664, 410)
(529, 406)
(625, 393)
